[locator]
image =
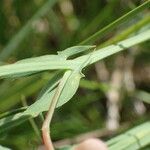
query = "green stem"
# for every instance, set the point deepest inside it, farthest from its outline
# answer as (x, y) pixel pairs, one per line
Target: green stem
(12, 112)
(32, 122)
(103, 16)
(25, 30)
(112, 49)
(7, 70)
(46, 124)
(127, 32)
(117, 22)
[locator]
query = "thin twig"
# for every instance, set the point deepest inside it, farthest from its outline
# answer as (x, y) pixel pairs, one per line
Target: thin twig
(45, 128)
(31, 120)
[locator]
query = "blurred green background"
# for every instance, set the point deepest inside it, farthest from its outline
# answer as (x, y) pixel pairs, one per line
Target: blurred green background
(112, 95)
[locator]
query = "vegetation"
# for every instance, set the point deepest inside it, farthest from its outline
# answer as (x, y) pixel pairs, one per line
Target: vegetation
(114, 94)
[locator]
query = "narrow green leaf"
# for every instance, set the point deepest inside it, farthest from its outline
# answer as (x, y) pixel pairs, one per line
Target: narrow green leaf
(11, 92)
(74, 50)
(4, 148)
(11, 112)
(21, 69)
(25, 30)
(30, 67)
(72, 83)
(143, 96)
(12, 121)
(135, 138)
(95, 56)
(117, 22)
(70, 88)
(115, 48)
(44, 99)
(103, 16)
(127, 32)
(44, 58)
(42, 104)
(62, 55)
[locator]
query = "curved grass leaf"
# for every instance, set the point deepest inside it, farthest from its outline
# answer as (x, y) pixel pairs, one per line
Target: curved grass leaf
(11, 112)
(44, 99)
(42, 104)
(45, 58)
(135, 138)
(12, 121)
(38, 64)
(30, 67)
(71, 85)
(143, 96)
(130, 30)
(25, 30)
(115, 48)
(117, 22)
(80, 62)
(103, 16)
(62, 55)
(20, 69)
(27, 86)
(70, 88)
(4, 148)
(74, 50)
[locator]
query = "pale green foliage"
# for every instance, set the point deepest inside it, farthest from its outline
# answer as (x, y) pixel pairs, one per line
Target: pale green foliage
(135, 138)
(144, 96)
(4, 148)
(19, 37)
(71, 62)
(29, 66)
(76, 65)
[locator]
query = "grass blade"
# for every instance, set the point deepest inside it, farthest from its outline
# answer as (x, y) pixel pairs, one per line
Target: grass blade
(117, 22)
(112, 49)
(18, 38)
(135, 138)
(30, 67)
(3, 148)
(74, 50)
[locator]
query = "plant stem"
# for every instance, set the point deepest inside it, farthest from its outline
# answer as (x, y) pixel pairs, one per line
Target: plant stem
(25, 30)
(112, 49)
(117, 22)
(73, 63)
(32, 122)
(45, 128)
(127, 32)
